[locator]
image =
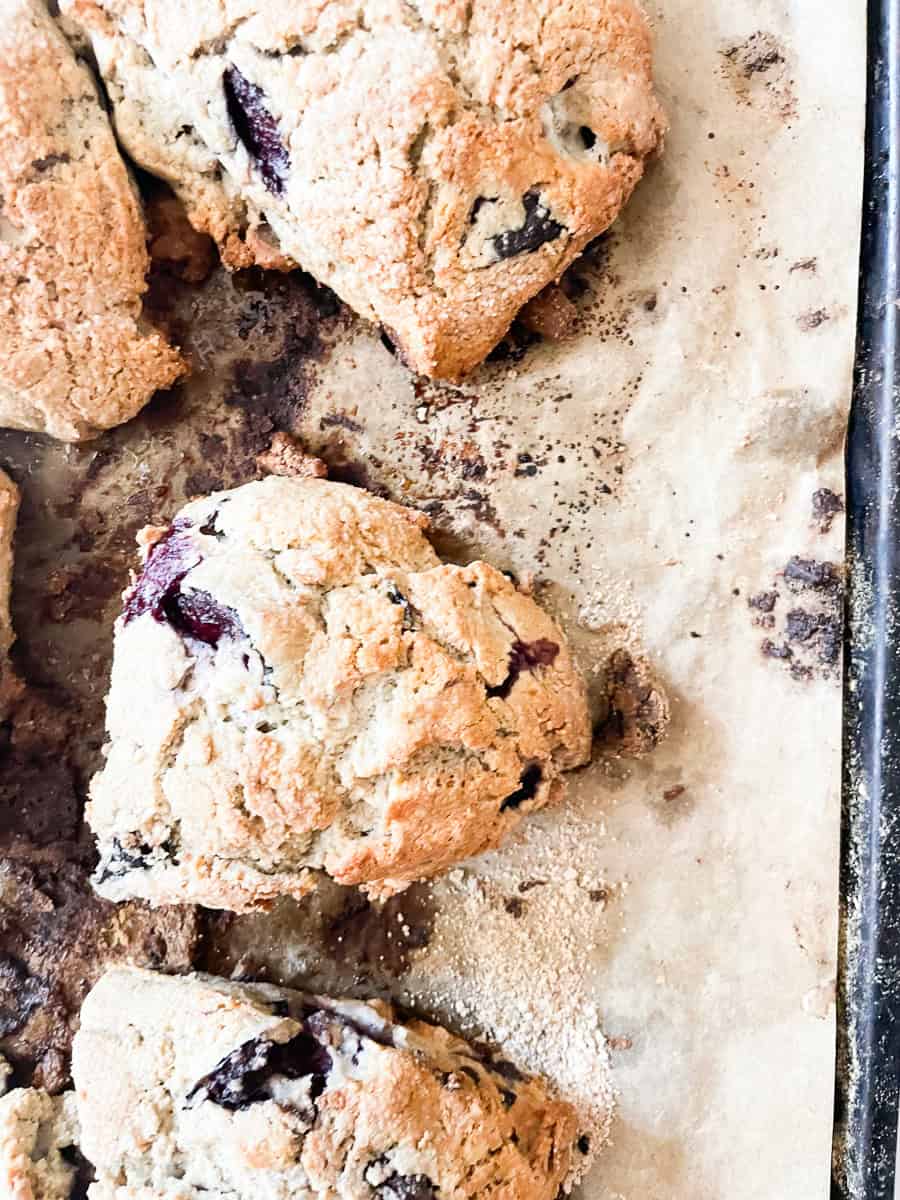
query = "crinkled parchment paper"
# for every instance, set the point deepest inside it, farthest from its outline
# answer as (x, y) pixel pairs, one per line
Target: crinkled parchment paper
(656, 475)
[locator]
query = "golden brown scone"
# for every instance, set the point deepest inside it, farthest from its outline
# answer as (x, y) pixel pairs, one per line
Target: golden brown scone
(77, 355)
(436, 163)
(193, 1088)
(9, 508)
(300, 685)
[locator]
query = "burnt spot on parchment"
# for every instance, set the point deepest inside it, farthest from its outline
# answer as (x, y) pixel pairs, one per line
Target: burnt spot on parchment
(346, 942)
(255, 341)
(271, 391)
(826, 505)
(759, 71)
(56, 939)
(636, 713)
(672, 804)
(802, 612)
(812, 319)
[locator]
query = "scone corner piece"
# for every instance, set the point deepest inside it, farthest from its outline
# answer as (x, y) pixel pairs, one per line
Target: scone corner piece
(304, 1095)
(78, 353)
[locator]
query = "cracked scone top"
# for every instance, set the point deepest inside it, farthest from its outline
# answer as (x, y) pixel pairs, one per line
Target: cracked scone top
(77, 355)
(437, 164)
(299, 684)
(199, 1087)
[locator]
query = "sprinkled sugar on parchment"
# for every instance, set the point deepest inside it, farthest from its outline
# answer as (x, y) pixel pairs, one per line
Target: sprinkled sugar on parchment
(671, 479)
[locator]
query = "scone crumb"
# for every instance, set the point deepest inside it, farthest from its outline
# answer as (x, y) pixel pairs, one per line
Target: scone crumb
(286, 456)
(551, 314)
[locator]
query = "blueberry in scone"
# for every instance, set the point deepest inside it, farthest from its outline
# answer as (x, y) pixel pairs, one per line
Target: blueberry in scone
(435, 164)
(299, 685)
(193, 1086)
(39, 1156)
(78, 355)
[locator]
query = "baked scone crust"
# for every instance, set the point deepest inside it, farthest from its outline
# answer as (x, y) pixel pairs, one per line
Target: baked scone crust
(436, 163)
(182, 1092)
(299, 684)
(78, 356)
(9, 509)
(35, 1131)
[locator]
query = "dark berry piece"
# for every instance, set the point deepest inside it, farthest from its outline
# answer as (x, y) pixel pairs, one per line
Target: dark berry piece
(244, 1077)
(210, 528)
(410, 612)
(500, 1066)
(588, 137)
(525, 656)
(196, 614)
(538, 227)
(257, 129)
(331, 1027)
(168, 562)
(479, 205)
(84, 1172)
(122, 859)
(407, 1187)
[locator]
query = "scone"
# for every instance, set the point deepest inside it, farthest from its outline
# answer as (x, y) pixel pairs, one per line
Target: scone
(198, 1088)
(436, 164)
(9, 509)
(38, 1140)
(77, 356)
(299, 685)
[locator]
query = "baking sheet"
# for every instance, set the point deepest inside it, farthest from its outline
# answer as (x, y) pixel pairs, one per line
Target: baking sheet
(656, 475)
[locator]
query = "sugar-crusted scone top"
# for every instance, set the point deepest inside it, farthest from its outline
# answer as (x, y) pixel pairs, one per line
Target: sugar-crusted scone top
(194, 1086)
(298, 683)
(77, 355)
(435, 162)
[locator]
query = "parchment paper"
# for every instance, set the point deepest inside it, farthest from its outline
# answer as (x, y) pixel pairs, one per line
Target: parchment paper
(656, 475)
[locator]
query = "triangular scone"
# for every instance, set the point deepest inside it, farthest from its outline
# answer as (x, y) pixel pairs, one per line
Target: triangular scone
(300, 686)
(436, 163)
(199, 1088)
(77, 355)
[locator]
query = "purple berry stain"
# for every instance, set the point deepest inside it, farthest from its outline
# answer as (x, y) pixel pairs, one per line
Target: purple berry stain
(244, 1076)
(407, 1187)
(257, 129)
(525, 656)
(157, 590)
(537, 228)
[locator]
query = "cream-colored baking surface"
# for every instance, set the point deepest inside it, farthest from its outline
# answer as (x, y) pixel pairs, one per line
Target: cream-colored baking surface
(667, 936)
(709, 395)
